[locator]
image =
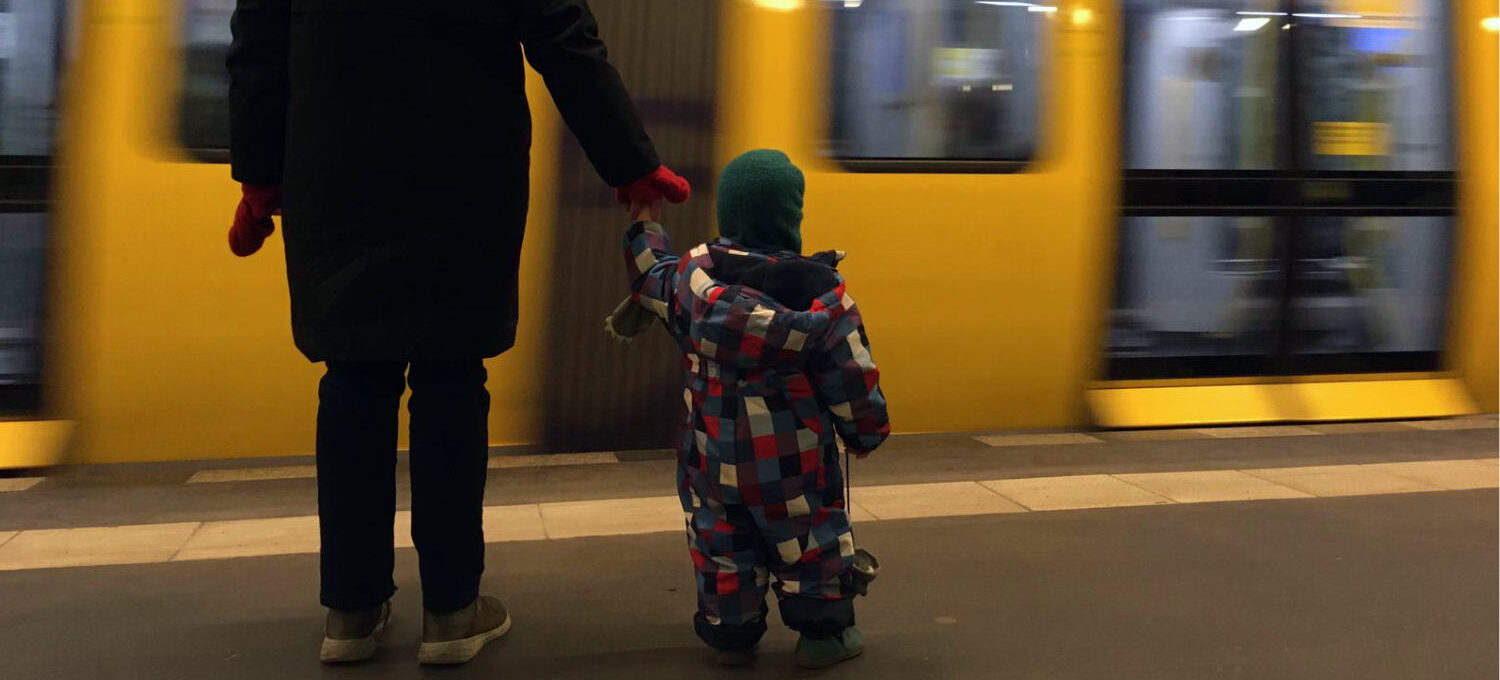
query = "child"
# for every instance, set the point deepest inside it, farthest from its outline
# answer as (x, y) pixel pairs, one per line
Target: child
(776, 361)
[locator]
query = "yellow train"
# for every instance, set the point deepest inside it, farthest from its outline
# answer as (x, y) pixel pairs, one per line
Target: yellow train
(1117, 213)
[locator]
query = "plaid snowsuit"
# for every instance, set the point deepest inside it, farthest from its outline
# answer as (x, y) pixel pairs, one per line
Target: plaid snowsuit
(767, 389)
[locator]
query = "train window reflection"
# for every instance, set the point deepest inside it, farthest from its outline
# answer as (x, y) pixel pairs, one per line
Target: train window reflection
(203, 103)
(29, 58)
(23, 241)
(1201, 84)
(1370, 284)
(1203, 88)
(1197, 286)
(1375, 84)
(947, 79)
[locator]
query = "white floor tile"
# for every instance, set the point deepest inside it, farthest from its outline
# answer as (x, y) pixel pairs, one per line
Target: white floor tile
(46, 548)
(1162, 435)
(1073, 492)
(945, 499)
(251, 538)
(403, 529)
(1209, 486)
(513, 523)
(1372, 427)
(1039, 439)
(18, 483)
(612, 517)
(1256, 431)
(553, 459)
(1448, 474)
(253, 474)
(1469, 423)
(1341, 480)
(858, 513)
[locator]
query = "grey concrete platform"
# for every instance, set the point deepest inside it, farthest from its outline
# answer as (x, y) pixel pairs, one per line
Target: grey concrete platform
(1365, 587)
(1400, 586)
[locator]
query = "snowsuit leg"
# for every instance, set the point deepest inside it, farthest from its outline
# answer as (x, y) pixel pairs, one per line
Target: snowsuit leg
(732, 580)
(809, 546)
(728, 558)
(801, 546)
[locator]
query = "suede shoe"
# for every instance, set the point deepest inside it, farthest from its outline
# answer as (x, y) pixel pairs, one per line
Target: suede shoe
(457, 637)
(353, 635)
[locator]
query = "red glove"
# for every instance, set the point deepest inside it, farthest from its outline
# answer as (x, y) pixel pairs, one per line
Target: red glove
(252, 219)
(662, 183)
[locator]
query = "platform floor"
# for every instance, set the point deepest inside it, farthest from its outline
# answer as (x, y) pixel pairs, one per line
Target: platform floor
(1365, 551)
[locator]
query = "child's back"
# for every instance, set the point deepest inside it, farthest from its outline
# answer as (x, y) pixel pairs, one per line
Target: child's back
(776, 363)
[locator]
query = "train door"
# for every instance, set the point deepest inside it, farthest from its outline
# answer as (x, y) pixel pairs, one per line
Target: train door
(597, 394)
(1288, 188)
(30, 60)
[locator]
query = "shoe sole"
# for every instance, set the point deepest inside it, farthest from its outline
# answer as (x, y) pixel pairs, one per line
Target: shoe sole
(349, 651)
(813, 666)
(451, 652)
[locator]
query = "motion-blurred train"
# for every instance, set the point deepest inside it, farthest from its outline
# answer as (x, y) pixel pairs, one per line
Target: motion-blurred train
(1058, 213)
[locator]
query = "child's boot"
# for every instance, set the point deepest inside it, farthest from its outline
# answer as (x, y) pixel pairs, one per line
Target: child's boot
(815, 652)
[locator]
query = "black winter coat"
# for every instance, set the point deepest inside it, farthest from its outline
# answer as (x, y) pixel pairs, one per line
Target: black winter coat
(400, 133)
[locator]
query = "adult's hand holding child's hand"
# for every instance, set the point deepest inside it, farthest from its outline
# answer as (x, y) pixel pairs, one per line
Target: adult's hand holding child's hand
(661, 184)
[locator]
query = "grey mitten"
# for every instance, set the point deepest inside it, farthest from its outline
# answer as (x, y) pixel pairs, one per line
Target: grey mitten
(628, 320)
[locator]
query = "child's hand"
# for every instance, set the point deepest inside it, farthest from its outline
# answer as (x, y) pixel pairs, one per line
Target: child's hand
(649, 210)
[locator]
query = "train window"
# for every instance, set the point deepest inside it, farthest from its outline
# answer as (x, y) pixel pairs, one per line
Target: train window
(1374, 85)
(1206, 85)
(1196, 286)
(31, 53)
(1201, 84)
(29, 56)
(1331, 256)
(203, 98)
(23, 241)
(944, 80)
(1370, 284)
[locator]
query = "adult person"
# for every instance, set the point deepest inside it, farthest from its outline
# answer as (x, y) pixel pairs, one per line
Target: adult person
(394, 138)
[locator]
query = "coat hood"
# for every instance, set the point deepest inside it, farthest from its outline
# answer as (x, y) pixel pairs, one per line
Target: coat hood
(738, 325)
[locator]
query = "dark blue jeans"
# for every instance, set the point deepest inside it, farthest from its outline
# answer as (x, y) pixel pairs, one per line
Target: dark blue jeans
(358, 404)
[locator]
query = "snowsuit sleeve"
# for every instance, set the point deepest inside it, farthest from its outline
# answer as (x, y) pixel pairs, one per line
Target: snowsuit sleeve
(651, 266)
(562, 43)
(258, 89)
(848, 382)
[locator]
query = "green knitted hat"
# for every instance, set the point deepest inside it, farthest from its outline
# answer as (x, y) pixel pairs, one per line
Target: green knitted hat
(760, 201)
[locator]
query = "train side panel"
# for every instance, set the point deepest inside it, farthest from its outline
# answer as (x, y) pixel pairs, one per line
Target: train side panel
(165, 345)
(983, 293)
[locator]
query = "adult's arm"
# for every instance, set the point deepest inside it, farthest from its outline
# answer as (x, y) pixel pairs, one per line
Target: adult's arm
(562, 43)
(258, 89)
